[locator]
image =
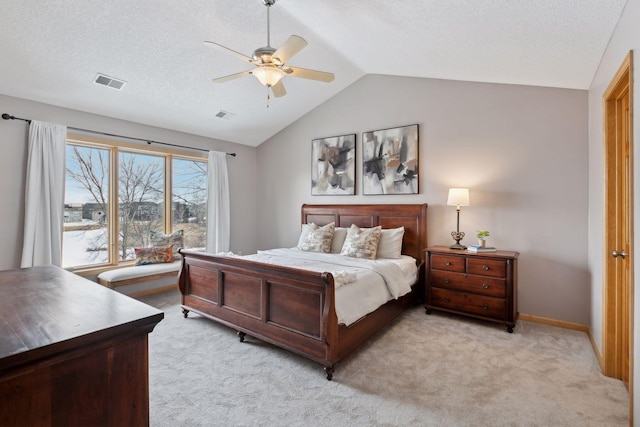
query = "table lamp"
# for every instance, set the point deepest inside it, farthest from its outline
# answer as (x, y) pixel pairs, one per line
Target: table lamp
(458, 197)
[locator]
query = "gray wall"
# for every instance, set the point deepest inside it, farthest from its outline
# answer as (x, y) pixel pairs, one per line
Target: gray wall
(13, 161)
(625, 38)
(521, 150)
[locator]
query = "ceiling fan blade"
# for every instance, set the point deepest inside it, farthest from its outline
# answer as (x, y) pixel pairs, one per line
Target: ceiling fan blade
(293, 45)
(230, 51)
(309, 74)
(278, 89)
(232, 77)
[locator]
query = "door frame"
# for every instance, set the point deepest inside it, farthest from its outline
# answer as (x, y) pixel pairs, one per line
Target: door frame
(615, 301)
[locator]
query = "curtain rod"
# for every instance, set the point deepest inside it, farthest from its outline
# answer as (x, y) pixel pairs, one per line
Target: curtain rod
(148, 141)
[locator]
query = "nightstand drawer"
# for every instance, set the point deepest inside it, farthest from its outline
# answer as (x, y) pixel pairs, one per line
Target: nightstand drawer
(448, 263)
(469, 303)
(487, 267)
(468, 283)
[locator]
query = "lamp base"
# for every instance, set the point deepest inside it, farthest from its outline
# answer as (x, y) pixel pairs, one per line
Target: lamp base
(457, 236)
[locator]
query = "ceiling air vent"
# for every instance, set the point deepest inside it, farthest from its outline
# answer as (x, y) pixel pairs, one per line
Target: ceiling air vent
(103, 80)
(225, 115)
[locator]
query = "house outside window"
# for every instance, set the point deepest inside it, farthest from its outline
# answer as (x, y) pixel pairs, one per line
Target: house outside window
(117, 193)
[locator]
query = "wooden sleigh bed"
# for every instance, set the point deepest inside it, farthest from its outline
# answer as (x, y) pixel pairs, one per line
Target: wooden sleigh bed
(293, 308)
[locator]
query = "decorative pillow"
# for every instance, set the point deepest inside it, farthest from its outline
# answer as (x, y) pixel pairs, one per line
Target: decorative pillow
(154, 255)
(361, 243)
(306, 229)
(319, 240)
(390, 245)
(176, 239)
(339, 234)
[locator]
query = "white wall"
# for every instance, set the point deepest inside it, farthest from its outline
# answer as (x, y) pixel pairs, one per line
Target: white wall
(13, 160)
(521, 150)
(625, 38)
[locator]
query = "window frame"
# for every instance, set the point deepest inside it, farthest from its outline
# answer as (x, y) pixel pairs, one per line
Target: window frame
(114, 147)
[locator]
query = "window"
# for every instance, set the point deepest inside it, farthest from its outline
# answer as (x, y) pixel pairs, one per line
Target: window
(140, 201)
(85, 239)
(189, 210)
(116, 194)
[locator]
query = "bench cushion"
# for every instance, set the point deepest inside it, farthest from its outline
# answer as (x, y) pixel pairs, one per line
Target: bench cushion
(138, 271)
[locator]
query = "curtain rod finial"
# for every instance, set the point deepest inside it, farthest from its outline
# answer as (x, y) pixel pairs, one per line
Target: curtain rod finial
(6, 116)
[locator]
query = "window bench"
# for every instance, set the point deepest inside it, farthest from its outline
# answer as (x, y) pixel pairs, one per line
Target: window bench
(140, 274)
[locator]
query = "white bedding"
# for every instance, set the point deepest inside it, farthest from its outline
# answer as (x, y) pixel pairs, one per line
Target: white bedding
(361, 285)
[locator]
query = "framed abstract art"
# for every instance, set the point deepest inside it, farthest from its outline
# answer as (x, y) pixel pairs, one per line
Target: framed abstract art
(390, 161)
(333, 165)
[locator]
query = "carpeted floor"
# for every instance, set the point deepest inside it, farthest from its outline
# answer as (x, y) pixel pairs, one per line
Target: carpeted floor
(436, 370)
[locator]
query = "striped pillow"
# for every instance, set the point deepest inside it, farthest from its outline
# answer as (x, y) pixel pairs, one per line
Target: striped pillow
(154, 255)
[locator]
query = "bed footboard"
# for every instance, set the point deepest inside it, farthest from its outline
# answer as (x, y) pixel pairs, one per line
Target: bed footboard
(293, 309)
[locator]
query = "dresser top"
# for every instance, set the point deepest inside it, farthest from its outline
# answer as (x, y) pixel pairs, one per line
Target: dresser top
(48, 310)
(497, 254)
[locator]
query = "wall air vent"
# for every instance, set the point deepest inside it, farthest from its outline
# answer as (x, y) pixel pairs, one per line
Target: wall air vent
(225, 115)
(103, 80)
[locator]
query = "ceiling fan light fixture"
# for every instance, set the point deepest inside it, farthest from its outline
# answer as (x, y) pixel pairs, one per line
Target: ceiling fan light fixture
(268, 75)
(270, 63)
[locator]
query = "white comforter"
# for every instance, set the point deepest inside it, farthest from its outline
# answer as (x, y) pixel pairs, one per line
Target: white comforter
(361, 285)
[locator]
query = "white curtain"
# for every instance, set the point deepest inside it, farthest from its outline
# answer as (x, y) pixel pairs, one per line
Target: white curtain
(218, 210)
(44, 196)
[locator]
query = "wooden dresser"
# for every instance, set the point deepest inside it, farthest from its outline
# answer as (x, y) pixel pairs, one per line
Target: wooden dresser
(482, 285)
(72, 352)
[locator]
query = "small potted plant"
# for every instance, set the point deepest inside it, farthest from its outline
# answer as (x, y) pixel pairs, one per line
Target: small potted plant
(482, 234)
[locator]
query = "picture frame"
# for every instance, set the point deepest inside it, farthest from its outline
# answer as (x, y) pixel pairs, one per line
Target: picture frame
(333, 165)
(390, 161)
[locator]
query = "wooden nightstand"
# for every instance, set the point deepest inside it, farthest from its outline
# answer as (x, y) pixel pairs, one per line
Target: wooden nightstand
(483, 285)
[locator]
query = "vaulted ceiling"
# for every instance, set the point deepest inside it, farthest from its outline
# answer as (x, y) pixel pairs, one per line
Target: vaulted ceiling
(53, 50)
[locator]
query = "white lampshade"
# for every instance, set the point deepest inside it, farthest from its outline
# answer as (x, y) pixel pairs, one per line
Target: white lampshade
(268, 75)
(458, 197)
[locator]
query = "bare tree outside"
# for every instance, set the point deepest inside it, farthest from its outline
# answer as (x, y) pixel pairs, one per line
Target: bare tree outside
(140, 200)
(86, 228)
(90, 169)
(190, 201)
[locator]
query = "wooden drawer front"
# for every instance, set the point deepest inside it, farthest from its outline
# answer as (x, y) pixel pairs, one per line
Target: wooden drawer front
(448, 263)
(469, 303)
(487, 267)
(469, 283)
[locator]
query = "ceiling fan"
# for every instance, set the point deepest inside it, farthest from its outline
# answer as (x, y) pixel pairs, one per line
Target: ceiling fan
(269, 63)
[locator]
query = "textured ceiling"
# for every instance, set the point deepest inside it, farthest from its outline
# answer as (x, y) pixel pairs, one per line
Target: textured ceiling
(52, 51)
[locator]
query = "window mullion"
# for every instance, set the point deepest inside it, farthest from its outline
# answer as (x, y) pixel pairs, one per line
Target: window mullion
(168, 194)
(114, 223)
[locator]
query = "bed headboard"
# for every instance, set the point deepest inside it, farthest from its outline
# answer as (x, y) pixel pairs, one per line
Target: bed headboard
(412, 217)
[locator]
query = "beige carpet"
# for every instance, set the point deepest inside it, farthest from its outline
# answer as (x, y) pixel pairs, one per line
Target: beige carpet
(436, 370)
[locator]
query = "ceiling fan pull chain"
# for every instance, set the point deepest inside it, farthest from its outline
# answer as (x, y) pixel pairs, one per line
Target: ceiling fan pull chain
(268, 96)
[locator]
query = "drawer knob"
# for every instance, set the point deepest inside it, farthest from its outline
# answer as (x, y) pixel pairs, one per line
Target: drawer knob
(485, 267)
(446, 299)
(446, 280)
(485, 286)
(485, 307)
(447, 263)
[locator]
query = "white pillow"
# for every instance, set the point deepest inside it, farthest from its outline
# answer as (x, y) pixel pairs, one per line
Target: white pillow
(319, 240)
(361, 242)
(306, 229)
(390, 245)
(339, 234)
